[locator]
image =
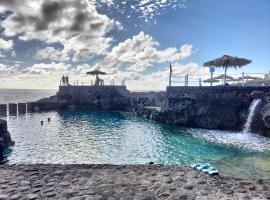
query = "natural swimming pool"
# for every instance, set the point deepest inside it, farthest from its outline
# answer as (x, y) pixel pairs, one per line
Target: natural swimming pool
(79, 137)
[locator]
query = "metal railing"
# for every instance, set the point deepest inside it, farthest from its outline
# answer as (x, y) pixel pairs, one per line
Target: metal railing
(243, 79)
(91, 83)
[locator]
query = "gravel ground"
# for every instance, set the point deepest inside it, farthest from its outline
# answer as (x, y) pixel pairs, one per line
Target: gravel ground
(122, 182)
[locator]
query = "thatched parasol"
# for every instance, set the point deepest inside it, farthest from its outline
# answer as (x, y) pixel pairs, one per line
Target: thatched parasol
(227, 61)
(209, 81)
(249, 78)
(96, 72)
(223, 76)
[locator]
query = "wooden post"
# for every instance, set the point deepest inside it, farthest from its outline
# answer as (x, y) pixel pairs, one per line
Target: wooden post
(225, 75)
(12, 109)
(211, 79)
(170, 76)
(3, 110)
(21, 108)
(186, 80)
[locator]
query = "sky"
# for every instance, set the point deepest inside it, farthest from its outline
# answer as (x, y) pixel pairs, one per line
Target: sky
(135, 41)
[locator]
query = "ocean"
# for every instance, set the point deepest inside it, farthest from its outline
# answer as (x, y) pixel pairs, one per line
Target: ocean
(23, 95)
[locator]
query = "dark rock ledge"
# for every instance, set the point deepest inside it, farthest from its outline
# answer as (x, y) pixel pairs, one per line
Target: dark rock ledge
(219, 107)
(5, 137)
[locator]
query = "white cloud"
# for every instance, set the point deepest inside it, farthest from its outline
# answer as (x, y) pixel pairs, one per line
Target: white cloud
(5, 69)
(6, 45)
(140, 52)
(54, 69)
(75, 24)
(53, 54)
(147, 10)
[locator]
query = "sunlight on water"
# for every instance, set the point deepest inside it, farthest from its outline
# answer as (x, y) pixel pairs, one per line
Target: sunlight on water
(74, 137)
(247, 141)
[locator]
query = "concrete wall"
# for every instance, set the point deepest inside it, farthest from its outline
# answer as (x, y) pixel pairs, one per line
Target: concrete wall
(206, 91)
(3, 110)
(82, 90)
(95, 97)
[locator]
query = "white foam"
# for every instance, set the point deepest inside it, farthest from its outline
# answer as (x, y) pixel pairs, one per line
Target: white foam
(248, 141)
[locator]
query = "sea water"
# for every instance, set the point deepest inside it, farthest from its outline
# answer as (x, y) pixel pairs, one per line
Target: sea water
(87, 137)
(23, 95)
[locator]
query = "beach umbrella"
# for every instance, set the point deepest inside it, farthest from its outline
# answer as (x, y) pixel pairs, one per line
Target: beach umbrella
(248, 78)
(96, 72)
(227, 61)
(209, 81)
(251, 77)
(221, 77)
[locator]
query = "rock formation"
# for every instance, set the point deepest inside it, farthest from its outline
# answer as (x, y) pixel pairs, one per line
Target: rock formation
(5, 137)
(202, 108)
(261, 122)
(223, 108)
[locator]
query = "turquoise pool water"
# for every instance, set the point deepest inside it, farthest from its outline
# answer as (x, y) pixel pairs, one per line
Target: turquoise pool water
(121, 138)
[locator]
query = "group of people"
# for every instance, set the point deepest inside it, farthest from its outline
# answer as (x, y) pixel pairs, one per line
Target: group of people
(99, 81)
(64, 80)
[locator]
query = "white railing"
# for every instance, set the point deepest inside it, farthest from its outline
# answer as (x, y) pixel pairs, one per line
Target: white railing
(91, 83)
(243, 79)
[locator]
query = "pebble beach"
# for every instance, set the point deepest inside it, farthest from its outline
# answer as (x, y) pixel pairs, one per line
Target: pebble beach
(141, 182)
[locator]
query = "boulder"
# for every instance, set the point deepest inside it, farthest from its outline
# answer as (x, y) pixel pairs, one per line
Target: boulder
(4, 134)
(266, 115)
(257, 94)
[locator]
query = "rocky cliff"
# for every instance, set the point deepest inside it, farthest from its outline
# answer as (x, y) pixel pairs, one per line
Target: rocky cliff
(95, 97)
(5, 137)
(212, 108)
(223, 108)
(261, 121)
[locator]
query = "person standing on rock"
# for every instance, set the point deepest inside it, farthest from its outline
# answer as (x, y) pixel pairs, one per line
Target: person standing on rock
(63, 80)
(1, 150)
(67, 80)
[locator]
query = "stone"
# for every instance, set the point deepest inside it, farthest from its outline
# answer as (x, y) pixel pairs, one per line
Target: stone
(64, 184)
(3, 197)
(68, 192)
(168, 180)
(4, 181)
(257, 94)
(181, 197)
(24, 188)
(47, 190)
(188, 187)
(252, 187)
(59, 172)
(50, 184)
(52, 180)
(15, 197)
(32, 196)
(13, 183)
(91, 192)
(241, 190)
(50, 194)
(201, 182)
(36, 190)
(164, 195)
(77, 198)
